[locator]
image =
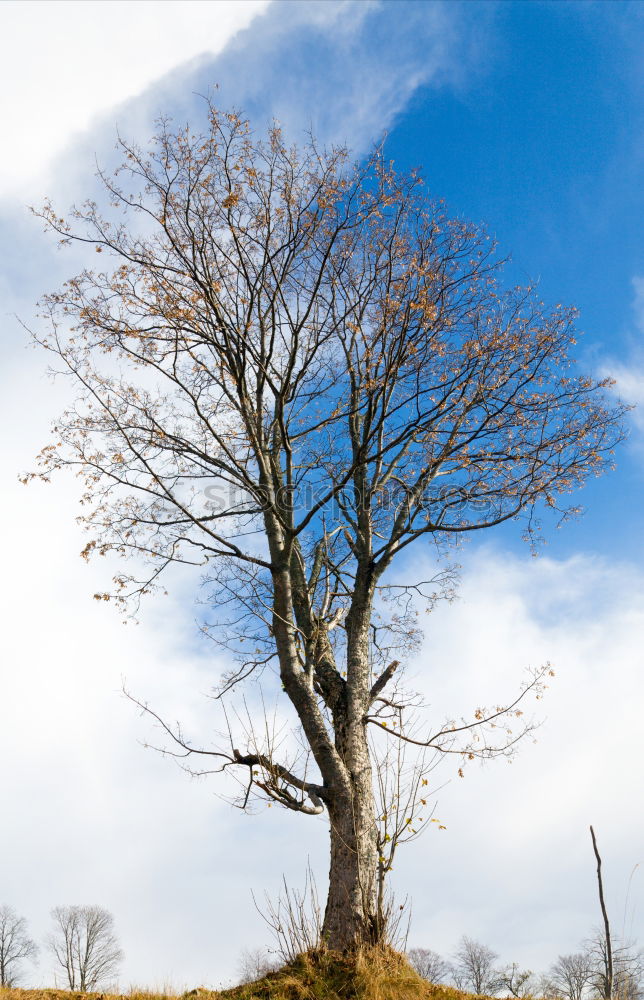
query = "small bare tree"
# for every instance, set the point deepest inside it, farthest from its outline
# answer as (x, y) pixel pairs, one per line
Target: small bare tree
(254, 963)
(289, 373)
(517, 981)
(625, 973)
(474, 966)
(428, 964)
(570, 976)
(628, 972)
(84, 946)
(15, 946)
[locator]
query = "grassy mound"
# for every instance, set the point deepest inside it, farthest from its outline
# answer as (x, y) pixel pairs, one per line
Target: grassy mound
(378, 974)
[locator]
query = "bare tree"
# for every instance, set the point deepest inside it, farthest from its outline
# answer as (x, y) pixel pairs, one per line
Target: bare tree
(15, 946)
(624, 973)
(428, 964)
(546, 989)
(570, 976)
(84, 946)
(517, 981)
(474, 966)
(254, 963)
(291, 372)
(628, 972)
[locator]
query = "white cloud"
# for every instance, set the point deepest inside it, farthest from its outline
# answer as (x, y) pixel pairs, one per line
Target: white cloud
(515, 866)
(62, 63)
(95, 818)
(343, 69)
(630, 387)
(346, 69)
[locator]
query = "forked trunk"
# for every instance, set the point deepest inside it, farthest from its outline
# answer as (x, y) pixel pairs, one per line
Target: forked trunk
(351, 915)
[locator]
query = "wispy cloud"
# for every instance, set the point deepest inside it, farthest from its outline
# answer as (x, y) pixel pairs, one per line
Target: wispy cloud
(638, 303)
(343, 69)
(64, 63)
(347, 69)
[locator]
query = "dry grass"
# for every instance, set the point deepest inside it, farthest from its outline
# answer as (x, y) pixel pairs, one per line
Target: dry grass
(378, 974)
(134, 994)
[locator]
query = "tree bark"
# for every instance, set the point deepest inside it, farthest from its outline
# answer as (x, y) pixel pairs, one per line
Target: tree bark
(351, 915)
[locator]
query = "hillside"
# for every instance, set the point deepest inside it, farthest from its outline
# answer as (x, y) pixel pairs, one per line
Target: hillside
(374, 976)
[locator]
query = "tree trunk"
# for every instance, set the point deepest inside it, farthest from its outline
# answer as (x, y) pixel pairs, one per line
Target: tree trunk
(351, 915)
(608, 956)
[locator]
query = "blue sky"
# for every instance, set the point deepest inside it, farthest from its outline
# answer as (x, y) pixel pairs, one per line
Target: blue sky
(527, 116)
(547, 147)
